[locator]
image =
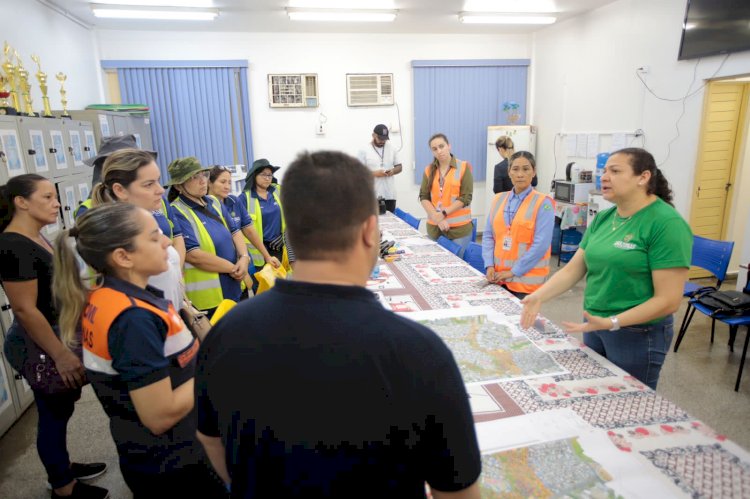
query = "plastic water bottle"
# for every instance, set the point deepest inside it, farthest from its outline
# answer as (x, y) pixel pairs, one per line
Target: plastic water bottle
(601, 160)
(375, 272)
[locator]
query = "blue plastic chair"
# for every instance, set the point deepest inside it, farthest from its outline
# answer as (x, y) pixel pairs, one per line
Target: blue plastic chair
(711, 255)
(474, 223)
(411, 220)
(446, 243)
(473, 256)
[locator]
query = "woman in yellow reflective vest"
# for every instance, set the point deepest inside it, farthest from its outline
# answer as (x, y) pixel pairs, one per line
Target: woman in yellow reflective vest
(517, 237)
(446, 192)
(216, 261)
(262, 201)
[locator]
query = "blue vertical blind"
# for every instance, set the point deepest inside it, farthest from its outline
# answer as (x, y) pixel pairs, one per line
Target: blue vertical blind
(461, 99)
(197, 108)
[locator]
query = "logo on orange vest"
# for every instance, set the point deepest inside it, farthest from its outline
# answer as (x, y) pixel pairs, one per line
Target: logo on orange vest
(187, 355)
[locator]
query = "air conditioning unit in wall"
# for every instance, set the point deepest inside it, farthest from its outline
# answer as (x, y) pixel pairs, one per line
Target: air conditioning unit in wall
(293, 90)
(369, 89)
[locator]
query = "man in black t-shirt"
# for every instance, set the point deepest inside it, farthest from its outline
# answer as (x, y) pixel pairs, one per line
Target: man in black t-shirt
(317, 390)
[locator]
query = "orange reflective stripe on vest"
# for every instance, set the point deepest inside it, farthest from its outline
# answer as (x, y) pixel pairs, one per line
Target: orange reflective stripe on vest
(451, 191)
(521, 234)
(103, 307)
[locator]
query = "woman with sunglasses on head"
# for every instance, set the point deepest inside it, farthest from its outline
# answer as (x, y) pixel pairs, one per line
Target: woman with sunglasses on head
(217, 260)
(28, 203)
(445, 194)
(138, 354)
(132, 176)
(635, 257)
(261, 199)
(220, 187)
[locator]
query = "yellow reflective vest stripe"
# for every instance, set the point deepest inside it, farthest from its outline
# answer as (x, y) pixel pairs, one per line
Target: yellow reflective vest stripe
(203, 288)
(253, 209)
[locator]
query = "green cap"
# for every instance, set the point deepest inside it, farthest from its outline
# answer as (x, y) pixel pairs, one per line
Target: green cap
(181, 169)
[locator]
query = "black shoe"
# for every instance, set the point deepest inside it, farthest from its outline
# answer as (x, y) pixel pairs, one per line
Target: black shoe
(87, 471)
(83, 471)
(84, 491)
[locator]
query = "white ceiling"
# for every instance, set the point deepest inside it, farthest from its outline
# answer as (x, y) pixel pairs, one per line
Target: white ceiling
(253, 16)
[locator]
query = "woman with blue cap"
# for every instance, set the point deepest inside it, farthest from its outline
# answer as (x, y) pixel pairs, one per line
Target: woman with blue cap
(217, 260)
(261, 199)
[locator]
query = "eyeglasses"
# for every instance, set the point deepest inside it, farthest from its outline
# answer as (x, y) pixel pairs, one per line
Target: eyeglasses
(266, 175)
(199, 176)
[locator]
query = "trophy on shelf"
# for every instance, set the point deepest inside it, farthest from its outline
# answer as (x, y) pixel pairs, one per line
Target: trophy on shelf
(41, 77)
(61, 77)
(23, 82)
(9, 79)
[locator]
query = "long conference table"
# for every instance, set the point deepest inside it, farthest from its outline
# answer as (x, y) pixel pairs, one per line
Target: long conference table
(553, 418)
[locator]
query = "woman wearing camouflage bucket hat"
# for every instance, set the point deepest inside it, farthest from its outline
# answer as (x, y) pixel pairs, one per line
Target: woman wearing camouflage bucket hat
(217, 258)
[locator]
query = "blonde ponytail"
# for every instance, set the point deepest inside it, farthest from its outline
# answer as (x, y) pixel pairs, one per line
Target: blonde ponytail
(67, 288)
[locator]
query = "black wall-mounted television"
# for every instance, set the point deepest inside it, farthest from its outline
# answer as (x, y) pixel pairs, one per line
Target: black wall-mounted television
(715, 27)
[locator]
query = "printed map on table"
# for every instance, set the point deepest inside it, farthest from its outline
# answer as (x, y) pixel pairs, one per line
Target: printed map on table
(552, 469)
(487, 348)
(385, 280)
(398, 303)
(558, 454)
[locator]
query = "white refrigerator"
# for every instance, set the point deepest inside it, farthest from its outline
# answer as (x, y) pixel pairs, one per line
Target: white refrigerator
(524, 139)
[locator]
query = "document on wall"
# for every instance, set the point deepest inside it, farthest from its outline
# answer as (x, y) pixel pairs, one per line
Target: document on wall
(592, 145)
(619, 141)
(581, 145)
(570, 144)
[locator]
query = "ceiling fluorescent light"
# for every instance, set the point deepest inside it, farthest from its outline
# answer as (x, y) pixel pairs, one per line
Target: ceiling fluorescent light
(160, 3)
(341, 4)
(508, 6)
(504, 19)
(342, 15)
(156, 13)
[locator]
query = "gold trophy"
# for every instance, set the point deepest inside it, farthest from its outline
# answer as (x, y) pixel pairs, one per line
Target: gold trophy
(61, 77)
(10, 80)
(23, 82)
(41, 77)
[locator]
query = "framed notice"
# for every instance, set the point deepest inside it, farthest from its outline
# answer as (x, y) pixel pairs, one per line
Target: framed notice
(37, 145)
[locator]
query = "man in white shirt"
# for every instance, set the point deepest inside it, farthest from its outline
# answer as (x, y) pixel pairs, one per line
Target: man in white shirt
(383, 161)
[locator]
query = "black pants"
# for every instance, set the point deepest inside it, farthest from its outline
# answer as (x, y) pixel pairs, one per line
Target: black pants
(54, 413)
(390, 205)
(193, 480)
(520, 296)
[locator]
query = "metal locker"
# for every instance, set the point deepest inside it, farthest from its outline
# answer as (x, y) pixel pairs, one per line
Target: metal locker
(58, 152)
(141, 128)
(74, 144)
(34, 144)
(8, 412)
(11, 157)
(66, 191)
(23, 396)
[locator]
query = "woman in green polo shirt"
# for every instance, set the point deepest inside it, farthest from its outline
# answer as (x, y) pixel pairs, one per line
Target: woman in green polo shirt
(635, 257)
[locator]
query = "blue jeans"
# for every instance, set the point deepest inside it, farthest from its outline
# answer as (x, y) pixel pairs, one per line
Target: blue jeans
(640, 350)
(464, 243)
(54, 413)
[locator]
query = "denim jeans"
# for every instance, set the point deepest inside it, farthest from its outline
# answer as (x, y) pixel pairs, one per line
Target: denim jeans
(640, 349)
(54, 413)
(464, 243)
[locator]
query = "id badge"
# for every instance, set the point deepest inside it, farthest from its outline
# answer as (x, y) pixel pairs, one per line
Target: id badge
(507, 243)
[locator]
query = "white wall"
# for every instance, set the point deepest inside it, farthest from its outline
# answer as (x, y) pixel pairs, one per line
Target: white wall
(61, 44)
(279, 134)
(584, 77)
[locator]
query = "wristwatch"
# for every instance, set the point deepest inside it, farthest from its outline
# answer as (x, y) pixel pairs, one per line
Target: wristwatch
(445, 213)
(615, 323)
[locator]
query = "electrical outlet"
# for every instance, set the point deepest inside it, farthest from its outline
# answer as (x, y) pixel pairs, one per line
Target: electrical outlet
(393, 128)
(320, 128)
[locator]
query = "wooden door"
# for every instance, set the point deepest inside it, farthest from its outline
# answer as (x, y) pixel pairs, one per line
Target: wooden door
(718, 150)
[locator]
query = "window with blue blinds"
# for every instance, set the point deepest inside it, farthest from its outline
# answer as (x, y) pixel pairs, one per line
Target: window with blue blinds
(197, 108)
(461, 99)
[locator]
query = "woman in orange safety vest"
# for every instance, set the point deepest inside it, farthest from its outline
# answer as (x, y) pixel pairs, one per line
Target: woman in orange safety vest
(446, 192)
(517, 238)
